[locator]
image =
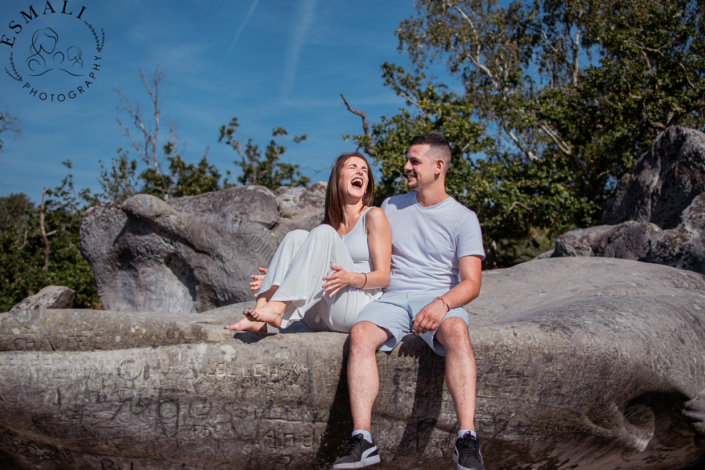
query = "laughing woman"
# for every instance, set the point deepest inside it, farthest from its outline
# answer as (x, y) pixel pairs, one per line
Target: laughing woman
(325, 277)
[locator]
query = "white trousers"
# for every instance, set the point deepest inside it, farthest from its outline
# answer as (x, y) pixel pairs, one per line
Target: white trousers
(298, 267)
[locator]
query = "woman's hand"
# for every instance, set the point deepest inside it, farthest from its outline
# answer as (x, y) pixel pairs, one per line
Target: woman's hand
(339, 279)
(254, 286)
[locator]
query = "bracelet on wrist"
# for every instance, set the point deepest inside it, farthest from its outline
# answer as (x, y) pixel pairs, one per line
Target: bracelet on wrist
(443, 301)
(363, 286)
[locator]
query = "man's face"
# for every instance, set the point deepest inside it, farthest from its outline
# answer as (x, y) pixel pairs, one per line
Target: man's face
(419, 167)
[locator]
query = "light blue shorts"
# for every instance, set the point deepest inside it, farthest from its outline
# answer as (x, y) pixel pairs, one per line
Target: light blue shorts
(395, 312)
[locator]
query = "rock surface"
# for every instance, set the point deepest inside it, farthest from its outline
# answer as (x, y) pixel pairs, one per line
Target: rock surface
(663, 182)
(583, 363)
(48, 297)
(657, 213)
(191, 254)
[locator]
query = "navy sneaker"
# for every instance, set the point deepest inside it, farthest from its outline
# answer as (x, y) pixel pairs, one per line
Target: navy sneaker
(358, 454)
(467, 453)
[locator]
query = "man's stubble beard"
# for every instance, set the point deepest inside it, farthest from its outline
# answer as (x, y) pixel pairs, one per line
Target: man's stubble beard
(411, 185)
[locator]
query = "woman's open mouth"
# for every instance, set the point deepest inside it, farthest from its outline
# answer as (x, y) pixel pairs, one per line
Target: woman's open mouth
(357, 182)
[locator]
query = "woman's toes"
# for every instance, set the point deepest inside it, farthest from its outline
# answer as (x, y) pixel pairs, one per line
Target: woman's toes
(247, 325)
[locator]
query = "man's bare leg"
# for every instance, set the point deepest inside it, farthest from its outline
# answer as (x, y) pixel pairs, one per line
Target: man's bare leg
(461, 372)
(249, 323)
(363, 376)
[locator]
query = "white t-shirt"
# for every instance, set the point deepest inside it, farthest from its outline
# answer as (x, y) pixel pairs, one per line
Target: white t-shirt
(428, 241)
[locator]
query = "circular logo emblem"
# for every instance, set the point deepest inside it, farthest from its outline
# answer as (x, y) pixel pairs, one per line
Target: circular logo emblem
(53, 52)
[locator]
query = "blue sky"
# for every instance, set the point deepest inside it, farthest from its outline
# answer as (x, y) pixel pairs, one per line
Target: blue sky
(268, 62)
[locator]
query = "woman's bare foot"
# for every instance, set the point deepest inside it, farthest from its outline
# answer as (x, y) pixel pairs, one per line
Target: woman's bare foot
(249, 323)
(270, 313)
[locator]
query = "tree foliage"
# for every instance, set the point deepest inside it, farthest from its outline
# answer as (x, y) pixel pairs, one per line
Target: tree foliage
(39, 244)
(268, 169)
(22, 247)
(558, 100)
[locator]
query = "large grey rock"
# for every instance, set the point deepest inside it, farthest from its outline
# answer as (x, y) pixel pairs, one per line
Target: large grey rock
(191, 254)
(629, 240)
(583, 363)
(663, 182)
(48, 297)
(658, 208)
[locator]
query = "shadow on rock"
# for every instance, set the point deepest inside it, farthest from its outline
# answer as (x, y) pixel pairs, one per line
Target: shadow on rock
(340, 424)
(428, 399)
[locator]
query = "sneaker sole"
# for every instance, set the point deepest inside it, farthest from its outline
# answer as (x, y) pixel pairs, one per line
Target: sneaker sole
(361, 464)
(459, 467)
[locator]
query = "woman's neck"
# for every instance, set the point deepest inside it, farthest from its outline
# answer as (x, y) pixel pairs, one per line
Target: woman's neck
(351, 212)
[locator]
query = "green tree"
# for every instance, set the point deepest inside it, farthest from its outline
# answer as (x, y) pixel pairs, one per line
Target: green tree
(119, 182)
(14, 209)
(183, 179)
(39, 246)
(561, 97)
(266, 170)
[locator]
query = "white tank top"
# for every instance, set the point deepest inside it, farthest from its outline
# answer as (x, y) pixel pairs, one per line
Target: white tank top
(356, 242)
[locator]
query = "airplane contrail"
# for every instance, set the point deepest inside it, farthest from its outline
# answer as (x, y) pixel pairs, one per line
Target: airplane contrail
(237, 34)
(295, 45)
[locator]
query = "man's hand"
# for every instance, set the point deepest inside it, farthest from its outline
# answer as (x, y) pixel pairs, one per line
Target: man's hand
(254, 286)
(429, 317)
(469, 288)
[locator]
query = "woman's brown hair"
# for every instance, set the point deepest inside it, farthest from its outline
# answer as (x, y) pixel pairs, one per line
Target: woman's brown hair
(334, 202)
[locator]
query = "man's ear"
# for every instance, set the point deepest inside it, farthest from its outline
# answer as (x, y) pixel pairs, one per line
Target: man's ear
(439, 166)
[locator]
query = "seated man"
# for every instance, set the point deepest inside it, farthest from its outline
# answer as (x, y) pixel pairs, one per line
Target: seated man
(435, 240)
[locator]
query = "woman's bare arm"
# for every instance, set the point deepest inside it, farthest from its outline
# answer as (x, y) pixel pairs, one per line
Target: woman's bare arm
(379, 239)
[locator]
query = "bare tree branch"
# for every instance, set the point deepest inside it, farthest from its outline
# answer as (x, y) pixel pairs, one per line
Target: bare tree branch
(146, 144)
(133, 110)
(556, 139)
(365, 125)
(45, 236)
(25, 239)
(412, 101)
(685, 72)
(498, 88)
(476, 59)
(9, 123)
(517, 203)
(515, 139)
(576, 53)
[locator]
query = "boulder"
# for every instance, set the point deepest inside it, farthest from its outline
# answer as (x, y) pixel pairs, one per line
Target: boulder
(48, 297)
(191, 254)
(583, 363)
(663, 181)
(657, 212)
(629, 240)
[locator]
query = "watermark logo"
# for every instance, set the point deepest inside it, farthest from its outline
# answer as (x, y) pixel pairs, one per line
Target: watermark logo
(54, 52)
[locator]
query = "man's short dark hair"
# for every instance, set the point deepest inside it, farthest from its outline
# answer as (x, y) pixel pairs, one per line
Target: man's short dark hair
(439, 145)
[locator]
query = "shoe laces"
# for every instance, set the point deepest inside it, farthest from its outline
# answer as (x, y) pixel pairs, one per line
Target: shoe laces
(353, 442)
(469, 443)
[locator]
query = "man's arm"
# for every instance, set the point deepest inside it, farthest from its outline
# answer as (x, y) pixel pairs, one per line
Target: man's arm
(468, 289)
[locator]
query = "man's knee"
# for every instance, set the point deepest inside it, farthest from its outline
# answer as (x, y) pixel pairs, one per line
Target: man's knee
(453, 333)
(366, 336)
